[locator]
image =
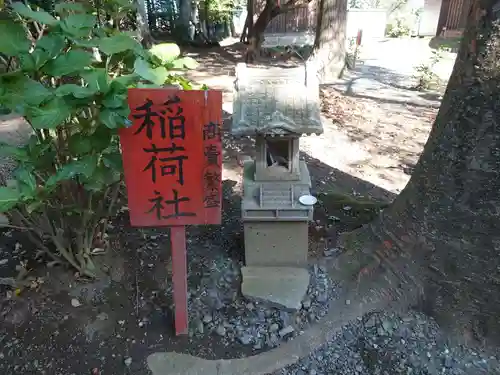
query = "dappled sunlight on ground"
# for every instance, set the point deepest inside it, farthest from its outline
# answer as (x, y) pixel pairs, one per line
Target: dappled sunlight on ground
(374, 131)
(375, 141)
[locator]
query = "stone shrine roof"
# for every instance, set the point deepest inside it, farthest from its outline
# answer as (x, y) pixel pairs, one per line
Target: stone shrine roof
(276, 101)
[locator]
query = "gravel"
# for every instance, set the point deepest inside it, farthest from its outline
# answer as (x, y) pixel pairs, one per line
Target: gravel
(391, 344)
(216, 306)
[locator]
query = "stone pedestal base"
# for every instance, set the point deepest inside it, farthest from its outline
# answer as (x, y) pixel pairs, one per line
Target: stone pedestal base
(276, 243)
(282, 286)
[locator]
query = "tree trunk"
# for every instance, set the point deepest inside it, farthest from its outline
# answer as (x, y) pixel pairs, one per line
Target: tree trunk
(185, 13)
(270, 11)
(232, 28)
(143, 25)
(250, 14)
(446, 221)
(329, 44)
(256, 31)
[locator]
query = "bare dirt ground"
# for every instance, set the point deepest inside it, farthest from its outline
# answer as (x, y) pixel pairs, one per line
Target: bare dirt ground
(375, 125)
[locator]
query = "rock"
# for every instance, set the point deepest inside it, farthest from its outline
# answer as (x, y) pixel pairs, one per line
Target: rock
(245, 339)
(207, 318)
(286, 331)
(387, 325)
(448, 362)
(75, 302)
(200, 328)
(273, 340)
(221, 330)
(102, 316)
(322, 297)
(283, 286)
(284, 317)
(306, 304)
(4, 220)
(331, 252)
(311, 317)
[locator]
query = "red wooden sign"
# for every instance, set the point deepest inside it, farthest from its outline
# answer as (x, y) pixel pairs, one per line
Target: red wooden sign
(173, 168)
(172, 157)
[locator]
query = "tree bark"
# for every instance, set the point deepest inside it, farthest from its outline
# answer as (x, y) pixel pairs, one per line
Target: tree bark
(143, 25)
(270, 11)
(329, 45)
(446, 221)
(185, 13)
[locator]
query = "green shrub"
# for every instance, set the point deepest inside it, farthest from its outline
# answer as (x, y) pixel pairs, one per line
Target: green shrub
(397, 29)
(71, 86)
(424, 73)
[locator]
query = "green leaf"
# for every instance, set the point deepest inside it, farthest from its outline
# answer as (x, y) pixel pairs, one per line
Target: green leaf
(37, 150)
(50, 115)
(35, 93)
(100, 139)
(72, 62)
(118, 43)
(33, 61)
(115, 100)
(166, 52)
(113, 161)
(26, 182)
(39, 16)
(9, 197)
(79, 144)
(141, 85)
(78, 25)
(21, 90)
(185, 62)
(157, 76)
(97, 79)
(79, 92)
(102, 177)
(13, 38)
(61, 8)
(111, 118)
(85, 43)
(125, 80)
(52, 44)
(82, 167)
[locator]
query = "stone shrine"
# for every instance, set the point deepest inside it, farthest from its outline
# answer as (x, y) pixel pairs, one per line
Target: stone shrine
(276, 106)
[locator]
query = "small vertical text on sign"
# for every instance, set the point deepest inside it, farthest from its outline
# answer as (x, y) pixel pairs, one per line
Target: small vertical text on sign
(172, 157)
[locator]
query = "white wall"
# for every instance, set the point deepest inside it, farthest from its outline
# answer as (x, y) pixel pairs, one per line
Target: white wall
(429, 18)
(371, 21)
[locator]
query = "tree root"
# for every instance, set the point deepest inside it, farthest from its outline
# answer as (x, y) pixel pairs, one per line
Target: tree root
(371, 252)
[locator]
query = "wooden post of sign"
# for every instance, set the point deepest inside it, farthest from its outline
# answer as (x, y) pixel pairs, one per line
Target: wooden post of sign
(179, 277)
(191, 193)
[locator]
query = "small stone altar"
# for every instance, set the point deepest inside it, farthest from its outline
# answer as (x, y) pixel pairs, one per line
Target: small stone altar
(276, 106)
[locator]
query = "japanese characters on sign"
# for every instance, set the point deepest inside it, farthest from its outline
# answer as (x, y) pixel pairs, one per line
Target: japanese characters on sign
(172, 157)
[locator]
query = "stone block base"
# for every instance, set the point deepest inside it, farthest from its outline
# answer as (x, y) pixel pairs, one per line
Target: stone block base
(276, 243)
(282, 286)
